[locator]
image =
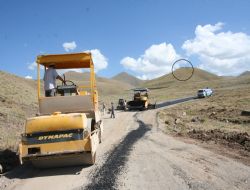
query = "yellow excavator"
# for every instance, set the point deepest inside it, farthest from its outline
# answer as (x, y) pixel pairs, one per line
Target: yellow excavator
(68, 127)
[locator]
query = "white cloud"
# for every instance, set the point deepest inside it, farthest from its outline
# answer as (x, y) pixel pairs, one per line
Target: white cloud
(156, 61)
(143, 77)
(224, 53)
(32, 66)
(69, 46)
(100, 61)
(62, 71)
(28, 77)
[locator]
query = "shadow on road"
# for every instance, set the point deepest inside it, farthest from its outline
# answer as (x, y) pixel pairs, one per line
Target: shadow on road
(28, 171)
(106, 176)
(8, 160)
(168, 103)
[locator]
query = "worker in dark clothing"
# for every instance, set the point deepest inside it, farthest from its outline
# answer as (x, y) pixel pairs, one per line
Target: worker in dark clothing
(112, 110)
(103, 108)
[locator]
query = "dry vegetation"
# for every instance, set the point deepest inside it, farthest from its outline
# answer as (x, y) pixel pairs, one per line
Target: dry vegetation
(129, 79)
(18, 100)
(216, 119)
(221, 111)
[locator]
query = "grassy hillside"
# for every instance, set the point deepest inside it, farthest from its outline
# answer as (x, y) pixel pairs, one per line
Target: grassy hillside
(167, 87)
(18, 100)
(246, 73)
(108, 88)
(217, 119)
(127, 78)
(198, 75)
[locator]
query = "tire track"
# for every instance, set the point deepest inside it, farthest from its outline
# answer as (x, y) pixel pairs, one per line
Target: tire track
(106, 176)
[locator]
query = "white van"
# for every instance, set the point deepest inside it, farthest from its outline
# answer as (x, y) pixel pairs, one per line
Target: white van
(202, 93)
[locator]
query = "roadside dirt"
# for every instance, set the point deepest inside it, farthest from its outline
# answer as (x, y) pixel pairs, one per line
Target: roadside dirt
(216, 122)
(232, 139)
(136, 154)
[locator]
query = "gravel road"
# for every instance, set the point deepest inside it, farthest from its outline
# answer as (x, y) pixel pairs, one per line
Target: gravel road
(136, 154)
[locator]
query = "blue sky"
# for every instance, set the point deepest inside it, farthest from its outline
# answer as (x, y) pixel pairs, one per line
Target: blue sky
(120, 29)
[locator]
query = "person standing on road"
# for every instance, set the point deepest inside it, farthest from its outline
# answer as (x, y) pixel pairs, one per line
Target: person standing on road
(50, 76)
(112, 110)
(103, 108)
(125, 104)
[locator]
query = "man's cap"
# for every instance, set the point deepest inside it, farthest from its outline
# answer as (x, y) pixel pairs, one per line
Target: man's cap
(52, 65)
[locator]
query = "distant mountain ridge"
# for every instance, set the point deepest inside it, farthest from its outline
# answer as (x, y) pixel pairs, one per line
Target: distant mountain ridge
(130, 81)
(246, 73)
(105, 86)
(168, 79)
(127, 78)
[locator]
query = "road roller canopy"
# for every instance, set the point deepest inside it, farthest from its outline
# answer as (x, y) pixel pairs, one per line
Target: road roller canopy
(84, 93)
(66, 61)
(140, 90)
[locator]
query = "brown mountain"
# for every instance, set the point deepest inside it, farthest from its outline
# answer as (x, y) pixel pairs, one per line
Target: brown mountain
(244, 74)
(127, 78)
(106, 87)
(18, 100)
(199, 75)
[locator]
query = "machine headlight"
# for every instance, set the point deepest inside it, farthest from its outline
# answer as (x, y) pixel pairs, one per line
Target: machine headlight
(24, 138)
(85, 133)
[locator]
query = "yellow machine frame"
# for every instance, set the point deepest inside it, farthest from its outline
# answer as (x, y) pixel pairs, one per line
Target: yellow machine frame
(69, 61)
(61, 122)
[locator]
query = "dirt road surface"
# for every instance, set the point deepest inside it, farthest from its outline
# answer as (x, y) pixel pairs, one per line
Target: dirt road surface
(136, 154)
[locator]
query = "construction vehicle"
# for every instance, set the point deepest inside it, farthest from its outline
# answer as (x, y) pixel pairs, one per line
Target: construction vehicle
(121, 104)
(68, 127)
(140, 100)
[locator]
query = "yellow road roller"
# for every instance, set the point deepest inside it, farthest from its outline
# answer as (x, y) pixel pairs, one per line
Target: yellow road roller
(68, 128)
(140, 100)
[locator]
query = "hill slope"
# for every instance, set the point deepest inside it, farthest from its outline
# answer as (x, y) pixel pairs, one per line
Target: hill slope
(106, 87)
(167, 87)
(198, 76)
(244, 74)
(127, 78)
(18, 100)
